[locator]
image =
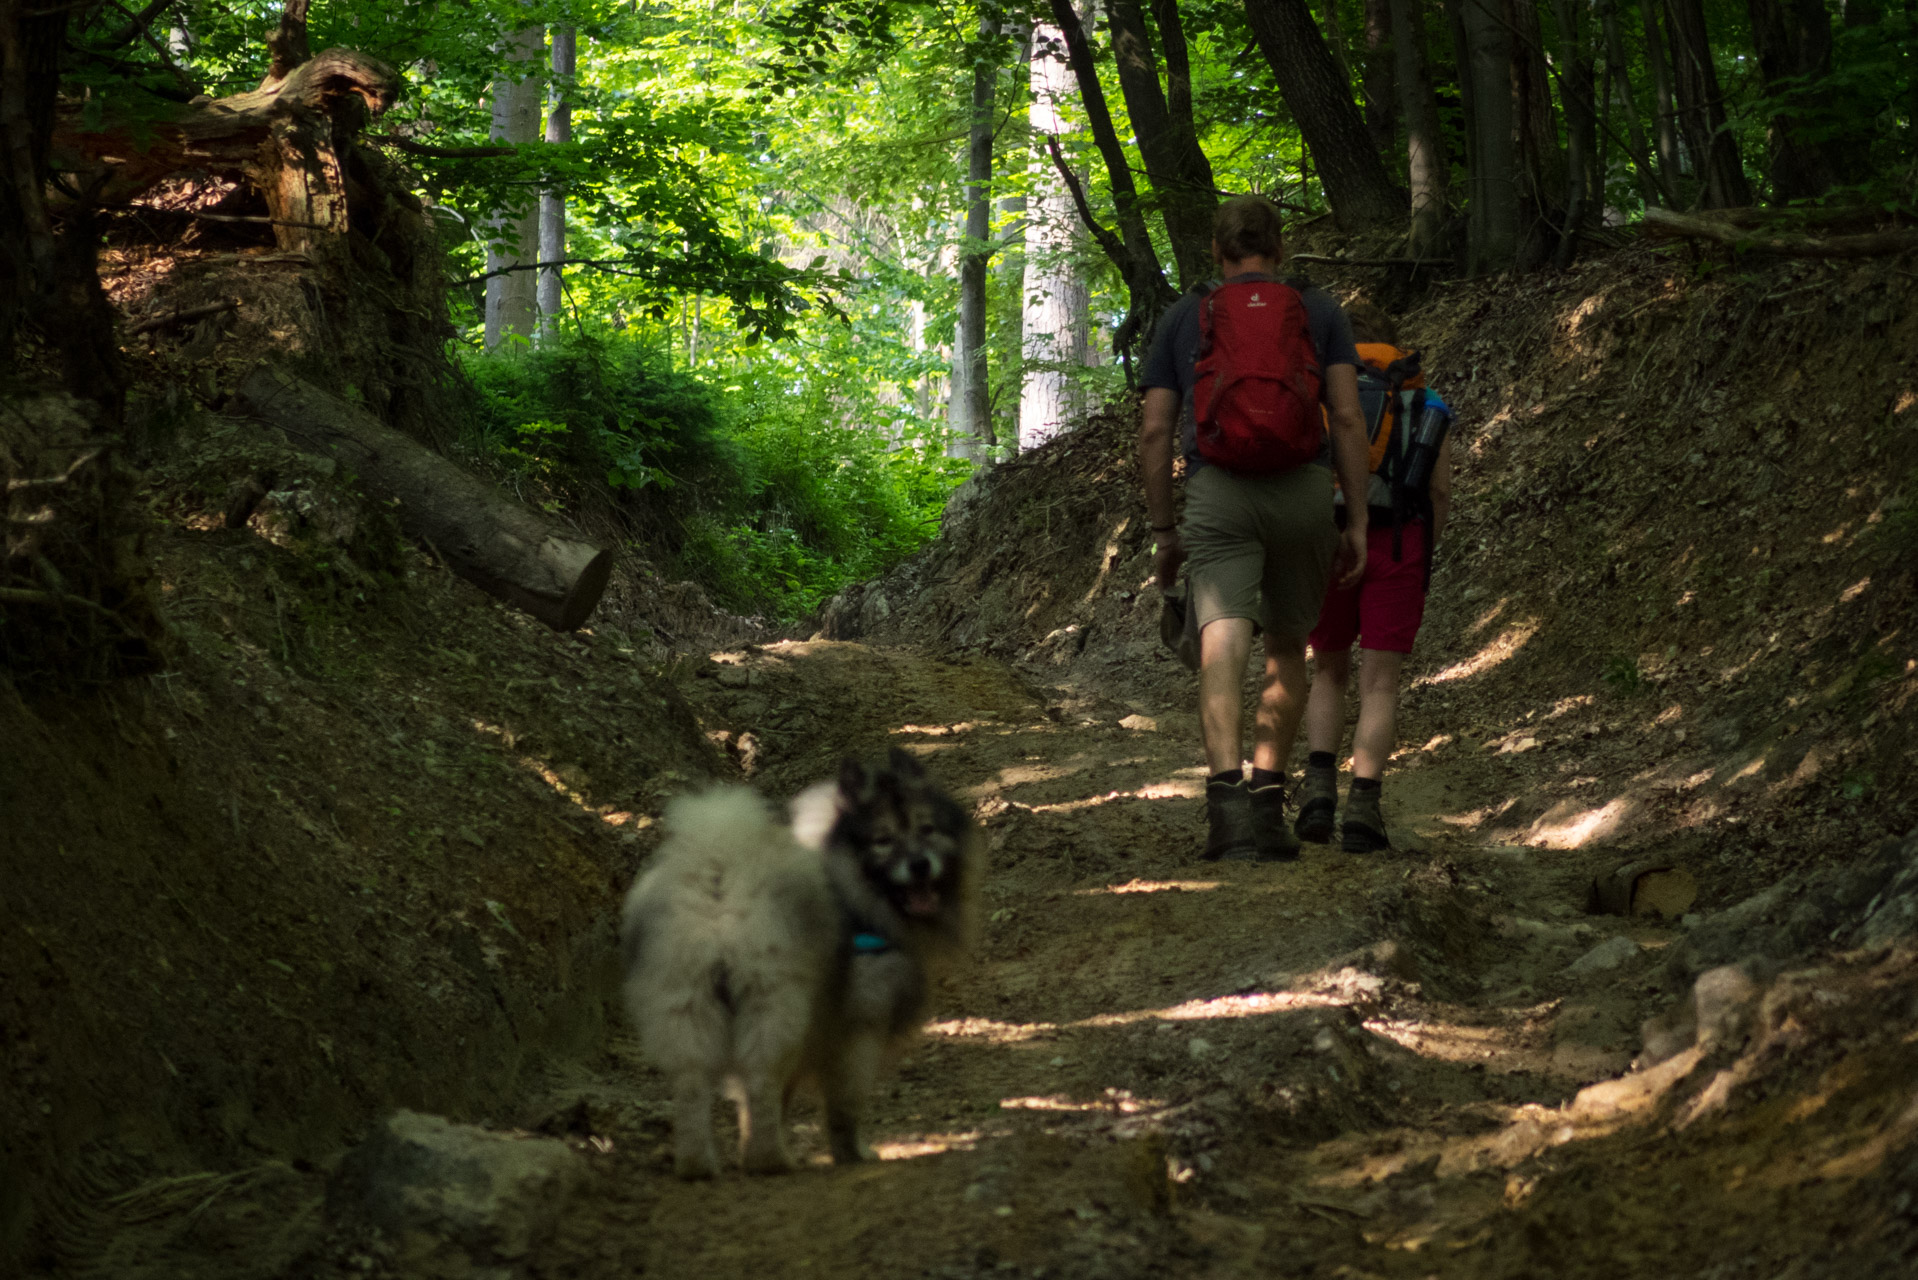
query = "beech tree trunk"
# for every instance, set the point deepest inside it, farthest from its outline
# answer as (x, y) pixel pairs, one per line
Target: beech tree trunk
(1356, 183)
(1793, 39)
(1130, 247)
(1168, 141)
(1494, 168)
(1583, 184)
(493, 541)
(1541, 161)
(1055, 298)
(512, 298)
(1427, 164)
(552, 202)
(1651, 181)
(1664, 110)
(1701, 106)
(970, 413)
(1378, 74)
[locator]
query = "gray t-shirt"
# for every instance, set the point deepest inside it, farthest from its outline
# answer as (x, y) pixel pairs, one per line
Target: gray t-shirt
(1175, 350)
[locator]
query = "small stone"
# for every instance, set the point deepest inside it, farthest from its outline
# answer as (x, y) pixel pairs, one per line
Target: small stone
(734, 677)
(1139, 723)
(1604, 957)
(1198, 1048)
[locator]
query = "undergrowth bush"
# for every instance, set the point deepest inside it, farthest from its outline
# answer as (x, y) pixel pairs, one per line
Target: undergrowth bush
(750, 486)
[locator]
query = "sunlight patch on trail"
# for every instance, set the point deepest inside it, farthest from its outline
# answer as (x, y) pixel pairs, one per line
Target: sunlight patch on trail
(926, 1144)
(1255, 1005)
(1116, 1102)
(1152, 886)
(1508, 643)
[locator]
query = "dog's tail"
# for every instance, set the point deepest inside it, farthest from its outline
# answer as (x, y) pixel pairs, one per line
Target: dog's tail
(719, 820)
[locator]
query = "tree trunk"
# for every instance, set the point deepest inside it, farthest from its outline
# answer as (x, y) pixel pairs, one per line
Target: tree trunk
(512, 299)
(1495, 193)
(1055, 299)
(1427, 165)
(1651, 181)
(1130, 248)
(1541, 163)
(493, 541)
(1581, 126)
(1701, 106)
(1175, 166)
(552, 202)
(1355, 180)
(1378, 75)
(1793, 41)
(971, 408)
(1664, 110)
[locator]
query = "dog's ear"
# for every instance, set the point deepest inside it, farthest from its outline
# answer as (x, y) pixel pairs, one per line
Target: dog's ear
(855, 782)
(904, 763)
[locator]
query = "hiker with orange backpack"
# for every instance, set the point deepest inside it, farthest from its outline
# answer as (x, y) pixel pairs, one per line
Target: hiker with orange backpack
(1408, 496)
(1249, 373)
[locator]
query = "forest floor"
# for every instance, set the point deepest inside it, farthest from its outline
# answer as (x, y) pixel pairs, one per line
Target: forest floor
(1159, 1066)
(360, 846)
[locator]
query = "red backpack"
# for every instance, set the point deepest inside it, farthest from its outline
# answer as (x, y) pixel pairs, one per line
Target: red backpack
(1256, 397)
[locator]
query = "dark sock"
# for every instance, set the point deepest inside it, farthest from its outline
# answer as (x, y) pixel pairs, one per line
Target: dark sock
(1231, 777)
(1267, 777)
(1367, 784)
(1321, 760)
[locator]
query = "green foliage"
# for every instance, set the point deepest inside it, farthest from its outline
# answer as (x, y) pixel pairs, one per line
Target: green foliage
(772, 488)
(1623, 677)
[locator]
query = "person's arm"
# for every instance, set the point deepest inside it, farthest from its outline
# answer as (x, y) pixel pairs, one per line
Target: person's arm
(1442, 488)
(1158, 423)
(1351, 458)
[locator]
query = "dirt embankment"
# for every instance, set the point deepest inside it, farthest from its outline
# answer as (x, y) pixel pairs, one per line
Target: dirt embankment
(1676, 603)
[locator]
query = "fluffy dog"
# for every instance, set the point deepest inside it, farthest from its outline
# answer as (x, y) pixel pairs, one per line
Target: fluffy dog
(761, 959)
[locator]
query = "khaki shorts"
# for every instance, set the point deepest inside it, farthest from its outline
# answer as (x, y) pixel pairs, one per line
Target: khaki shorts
(1261, 547)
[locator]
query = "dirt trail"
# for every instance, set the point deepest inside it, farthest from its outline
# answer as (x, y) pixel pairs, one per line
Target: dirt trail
(1156, 1066)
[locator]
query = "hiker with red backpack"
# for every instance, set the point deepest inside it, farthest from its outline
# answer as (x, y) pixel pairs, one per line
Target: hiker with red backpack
(1408, 496)
(1250, 373)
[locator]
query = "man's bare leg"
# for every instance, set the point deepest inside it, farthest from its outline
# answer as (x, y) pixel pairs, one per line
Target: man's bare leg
(1282, 704)
(1224, 647)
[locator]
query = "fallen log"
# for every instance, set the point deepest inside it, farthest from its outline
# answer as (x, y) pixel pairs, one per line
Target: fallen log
(1663, 224)
(493, 541)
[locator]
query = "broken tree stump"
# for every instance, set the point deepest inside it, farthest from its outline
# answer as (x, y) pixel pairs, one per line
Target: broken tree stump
(494, 541)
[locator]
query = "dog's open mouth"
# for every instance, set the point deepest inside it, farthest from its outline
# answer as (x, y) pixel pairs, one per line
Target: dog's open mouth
(920, 900)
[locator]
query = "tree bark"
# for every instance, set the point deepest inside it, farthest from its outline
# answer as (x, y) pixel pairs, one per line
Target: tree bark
(512, 298)
(1055, 299)
(1701, 106)
(493, 541)
(1356, 183)
(1427, 165)
(1541, 162)
(1495, 191)
(970, 414)
(552, 202)
(1130, 248)
(1175, 166)
(1581, 126)
(1664, 110)
(1378, 74)
(1793, 39)
(1651, 181)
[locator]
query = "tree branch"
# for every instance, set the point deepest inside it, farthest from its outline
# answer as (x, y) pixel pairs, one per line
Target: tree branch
(1663, 224)
(137, 24)
(597, 264)
(1107, 238)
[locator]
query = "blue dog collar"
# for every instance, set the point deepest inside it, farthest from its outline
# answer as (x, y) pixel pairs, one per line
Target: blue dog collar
(870, 943)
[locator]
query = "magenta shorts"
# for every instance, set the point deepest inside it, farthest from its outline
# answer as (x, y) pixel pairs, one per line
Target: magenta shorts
(1384, 611)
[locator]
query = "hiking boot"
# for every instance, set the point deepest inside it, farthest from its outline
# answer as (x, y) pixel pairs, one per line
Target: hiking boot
(1363, 830)
(1228, 814)
(1271, 833)
(1318, 804)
